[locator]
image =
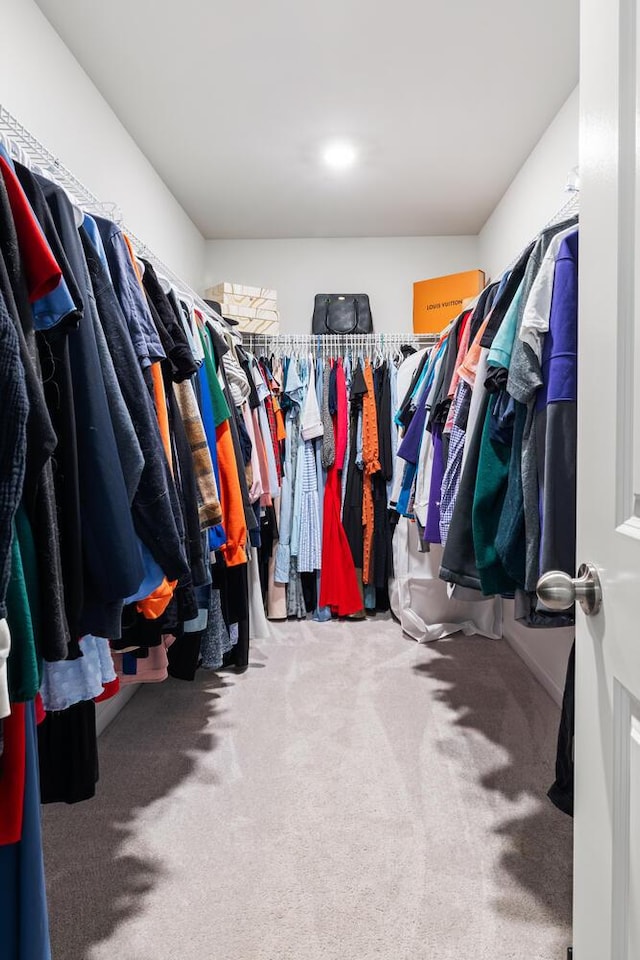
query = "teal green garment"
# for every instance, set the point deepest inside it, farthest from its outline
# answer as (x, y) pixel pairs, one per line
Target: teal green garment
(488, 502)
(24, 666)
(502, 347)
(221, 410)
(511, 539)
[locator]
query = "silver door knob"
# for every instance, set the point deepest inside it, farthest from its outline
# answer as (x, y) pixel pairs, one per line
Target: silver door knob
(559, 591)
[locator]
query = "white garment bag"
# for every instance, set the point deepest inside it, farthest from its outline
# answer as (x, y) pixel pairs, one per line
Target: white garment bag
(420, 600)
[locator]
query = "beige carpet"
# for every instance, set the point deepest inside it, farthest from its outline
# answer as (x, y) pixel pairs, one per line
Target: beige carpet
(354, 795)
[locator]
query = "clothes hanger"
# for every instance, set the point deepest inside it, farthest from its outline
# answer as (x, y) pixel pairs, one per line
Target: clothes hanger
(165, 283)
(16, 151)
(6, 143)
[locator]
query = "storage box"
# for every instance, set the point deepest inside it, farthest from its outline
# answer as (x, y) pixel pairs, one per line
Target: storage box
(249, 313)
(255, 308)
(223, 290)
(237, 300)
(257, 326)
(437, 301)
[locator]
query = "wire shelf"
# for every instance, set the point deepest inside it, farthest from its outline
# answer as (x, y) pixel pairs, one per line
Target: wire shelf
(332, 345)
(21, 144)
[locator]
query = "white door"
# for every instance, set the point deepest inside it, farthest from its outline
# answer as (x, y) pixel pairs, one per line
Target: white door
(607, 810)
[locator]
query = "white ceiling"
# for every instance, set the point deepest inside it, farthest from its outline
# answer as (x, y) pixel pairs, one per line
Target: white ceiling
(232, 101)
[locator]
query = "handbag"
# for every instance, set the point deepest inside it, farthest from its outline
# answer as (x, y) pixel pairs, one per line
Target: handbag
(340, 313)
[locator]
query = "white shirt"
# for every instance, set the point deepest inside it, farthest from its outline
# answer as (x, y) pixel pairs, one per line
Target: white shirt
(535, 319)
(5, 646)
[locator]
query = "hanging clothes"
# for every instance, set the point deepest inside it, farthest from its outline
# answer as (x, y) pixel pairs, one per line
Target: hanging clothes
(418, 597)
(501, 466)
(353, 516)
(338, 583)
(371, 468)
(382, 562)
(111, 555)
(24, 924)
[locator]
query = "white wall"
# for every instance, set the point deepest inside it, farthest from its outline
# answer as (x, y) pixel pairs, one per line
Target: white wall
(545, 652)
(536, 193)
(45, 88)
(383, 267)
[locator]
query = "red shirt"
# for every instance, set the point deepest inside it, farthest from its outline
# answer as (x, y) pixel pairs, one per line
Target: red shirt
(40, 266)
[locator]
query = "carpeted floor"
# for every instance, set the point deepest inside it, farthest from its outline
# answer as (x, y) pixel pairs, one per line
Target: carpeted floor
(352, 796)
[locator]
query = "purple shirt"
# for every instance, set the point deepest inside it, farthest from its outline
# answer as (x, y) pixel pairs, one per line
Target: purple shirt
(560, 352)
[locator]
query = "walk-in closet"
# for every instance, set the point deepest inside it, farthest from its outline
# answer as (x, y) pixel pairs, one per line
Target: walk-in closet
(318, 481)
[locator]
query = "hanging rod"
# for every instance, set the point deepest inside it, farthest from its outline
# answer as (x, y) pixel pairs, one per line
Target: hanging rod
(27, 149)
(330, 344)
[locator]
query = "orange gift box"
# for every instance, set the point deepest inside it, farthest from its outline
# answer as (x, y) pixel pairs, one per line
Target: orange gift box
(437, 301)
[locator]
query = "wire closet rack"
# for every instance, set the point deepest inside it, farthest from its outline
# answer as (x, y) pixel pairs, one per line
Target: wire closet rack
(23, 146)
(569, 209)
(335, 345)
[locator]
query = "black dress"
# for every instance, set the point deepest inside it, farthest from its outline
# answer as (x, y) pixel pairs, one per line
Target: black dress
(382, 565)
(352, 513)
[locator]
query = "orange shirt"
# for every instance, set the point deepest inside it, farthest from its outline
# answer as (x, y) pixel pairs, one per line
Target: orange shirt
(371, 453)
(467, 369)
(235, 524)
(157, 602)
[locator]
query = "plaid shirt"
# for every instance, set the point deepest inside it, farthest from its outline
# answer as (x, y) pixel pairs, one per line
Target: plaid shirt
(13, 421)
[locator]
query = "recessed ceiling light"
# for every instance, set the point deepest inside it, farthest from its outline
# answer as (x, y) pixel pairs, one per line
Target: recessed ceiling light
(339, 156)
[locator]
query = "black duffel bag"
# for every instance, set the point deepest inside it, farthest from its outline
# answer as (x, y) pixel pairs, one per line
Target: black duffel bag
(342, 313)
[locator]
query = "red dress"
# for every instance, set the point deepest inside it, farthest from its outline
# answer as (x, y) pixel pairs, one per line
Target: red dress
(339, 587)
